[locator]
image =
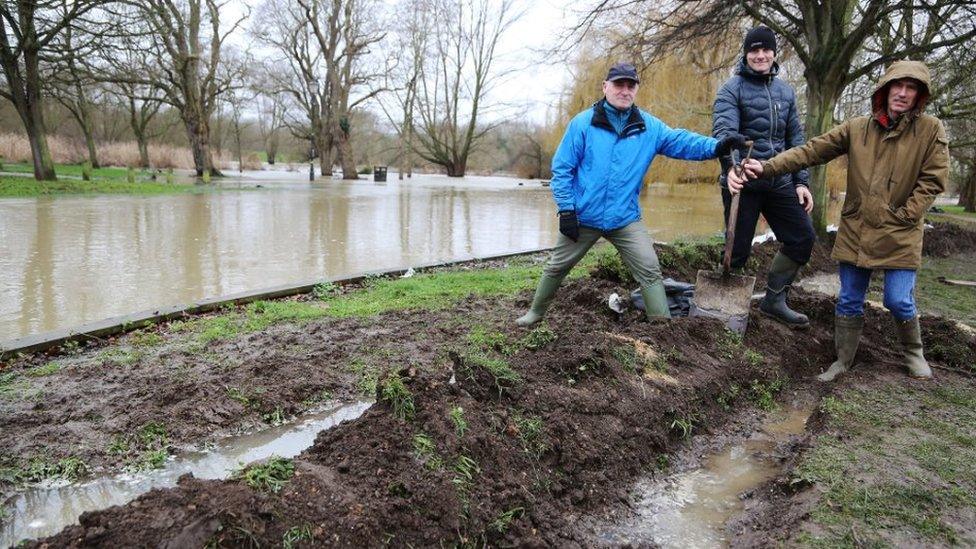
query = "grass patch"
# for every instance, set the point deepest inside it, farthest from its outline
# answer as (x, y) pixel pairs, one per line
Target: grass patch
(432, 291)
(395, 393)
(457, 419)
(12, 186)
(956, 302)
(695, 252)
(763, 393)
(894, 466)
(539, 337)
(296, 534)
(39, 469)
(426, 451)
(50, 368)
(504, 520)
(270, 476)
(530, 434)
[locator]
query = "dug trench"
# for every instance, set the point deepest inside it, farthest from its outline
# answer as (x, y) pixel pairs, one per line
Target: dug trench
(481, 434)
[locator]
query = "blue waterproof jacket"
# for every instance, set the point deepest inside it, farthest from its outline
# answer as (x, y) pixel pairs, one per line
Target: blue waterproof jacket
(763, 108)
(597, 171)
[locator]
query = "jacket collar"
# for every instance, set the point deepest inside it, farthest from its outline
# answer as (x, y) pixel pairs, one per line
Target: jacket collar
(635, 122)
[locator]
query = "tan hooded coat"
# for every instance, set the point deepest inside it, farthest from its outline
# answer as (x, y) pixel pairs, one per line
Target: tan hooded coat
(893, 176)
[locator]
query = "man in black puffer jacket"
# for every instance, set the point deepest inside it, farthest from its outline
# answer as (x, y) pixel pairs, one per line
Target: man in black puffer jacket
(763, 108)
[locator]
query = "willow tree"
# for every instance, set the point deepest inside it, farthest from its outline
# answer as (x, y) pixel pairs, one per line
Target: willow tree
(832, 39)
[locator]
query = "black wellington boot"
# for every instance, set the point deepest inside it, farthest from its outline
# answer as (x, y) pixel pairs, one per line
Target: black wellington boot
(782, 271)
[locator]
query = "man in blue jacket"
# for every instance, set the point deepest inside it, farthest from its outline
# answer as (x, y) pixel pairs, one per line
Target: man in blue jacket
(763, 108)
(597, 173)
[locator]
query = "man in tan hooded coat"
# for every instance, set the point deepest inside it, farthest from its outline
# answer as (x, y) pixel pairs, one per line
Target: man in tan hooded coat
(898, 162)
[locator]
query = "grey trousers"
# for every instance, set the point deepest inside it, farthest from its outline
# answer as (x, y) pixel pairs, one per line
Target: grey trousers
(634, 243)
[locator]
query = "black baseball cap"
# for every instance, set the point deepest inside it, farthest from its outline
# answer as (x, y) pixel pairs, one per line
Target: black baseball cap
(622, 71)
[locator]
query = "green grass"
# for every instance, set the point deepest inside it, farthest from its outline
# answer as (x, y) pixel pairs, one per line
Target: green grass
(426, 291)
(958, 210)
(932, 296)
(395, 393)
(270, 476)
(40, 470)
(21, 187)
(425, 451)
(47, 369)
(457, 419)
(894, 466)
(74, 170)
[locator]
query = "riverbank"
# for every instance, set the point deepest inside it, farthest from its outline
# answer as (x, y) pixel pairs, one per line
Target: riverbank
(482, 433)
(103, 181)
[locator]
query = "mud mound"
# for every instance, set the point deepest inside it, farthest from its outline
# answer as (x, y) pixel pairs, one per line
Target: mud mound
(946, 239)
(508, 439)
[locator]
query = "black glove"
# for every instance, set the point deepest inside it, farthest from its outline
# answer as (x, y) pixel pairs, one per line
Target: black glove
(569, 225)
(726, 144)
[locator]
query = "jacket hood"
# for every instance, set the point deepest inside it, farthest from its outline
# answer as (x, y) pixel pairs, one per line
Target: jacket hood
(915, 70)
(745, 70)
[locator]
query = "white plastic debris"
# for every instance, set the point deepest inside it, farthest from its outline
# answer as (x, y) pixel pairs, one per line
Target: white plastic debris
(765, 237)
(410, 272)
(617, 304)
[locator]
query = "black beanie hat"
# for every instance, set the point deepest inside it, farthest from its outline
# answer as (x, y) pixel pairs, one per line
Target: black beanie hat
(759, 37)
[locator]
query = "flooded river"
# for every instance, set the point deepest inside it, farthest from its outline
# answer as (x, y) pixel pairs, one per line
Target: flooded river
(69, 260)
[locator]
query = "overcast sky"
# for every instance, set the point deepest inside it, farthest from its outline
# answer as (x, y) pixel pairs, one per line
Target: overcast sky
(533, 81)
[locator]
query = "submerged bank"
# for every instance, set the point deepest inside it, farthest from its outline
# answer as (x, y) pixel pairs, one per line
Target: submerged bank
(483, 433)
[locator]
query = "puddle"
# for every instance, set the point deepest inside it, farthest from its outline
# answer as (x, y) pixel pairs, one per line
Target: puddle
(46, 510)
(690, 509)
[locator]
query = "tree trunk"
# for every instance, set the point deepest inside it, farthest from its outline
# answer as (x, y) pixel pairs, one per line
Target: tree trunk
(272, 148)
(32, 115)
(346, 159)
(819, 119)
(198, 132)
(86, 129)
(143, 150)
(967, 192)
(456, 168)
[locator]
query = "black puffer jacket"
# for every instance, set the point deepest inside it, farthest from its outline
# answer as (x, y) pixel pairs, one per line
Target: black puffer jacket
(763, 108)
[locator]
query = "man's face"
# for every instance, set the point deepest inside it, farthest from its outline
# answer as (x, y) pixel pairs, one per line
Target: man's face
(901, 96)
(620, 93)
(761, 60)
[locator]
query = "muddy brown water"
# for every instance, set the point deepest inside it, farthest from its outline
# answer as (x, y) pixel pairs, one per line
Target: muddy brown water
(68, 260)
(689, 509)
(45, 510)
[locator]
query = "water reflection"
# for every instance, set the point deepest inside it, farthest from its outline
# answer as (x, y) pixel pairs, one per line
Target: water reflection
(65, 261)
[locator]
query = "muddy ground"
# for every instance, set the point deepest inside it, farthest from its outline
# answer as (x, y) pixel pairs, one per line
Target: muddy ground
(482, 433)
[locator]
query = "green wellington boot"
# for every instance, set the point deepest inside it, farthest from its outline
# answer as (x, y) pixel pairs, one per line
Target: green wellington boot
(910, 335)
(540, 303)
(655, 301)
(782, 271)
(847, 333)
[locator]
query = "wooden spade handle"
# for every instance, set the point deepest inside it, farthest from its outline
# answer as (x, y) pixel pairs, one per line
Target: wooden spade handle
(730, 233)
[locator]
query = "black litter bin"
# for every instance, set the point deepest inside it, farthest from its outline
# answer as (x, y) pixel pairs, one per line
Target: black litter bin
(379, 173)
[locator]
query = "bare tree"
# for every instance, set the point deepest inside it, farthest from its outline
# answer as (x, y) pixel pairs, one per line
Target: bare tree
(324, 43)
(457, 77)
(838, 42)
(188, 44)
(27, 31)
(70, 82)
(270, 111)
(405, 68)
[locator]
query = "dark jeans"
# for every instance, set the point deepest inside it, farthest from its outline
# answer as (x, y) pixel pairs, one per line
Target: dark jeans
(786, 217)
